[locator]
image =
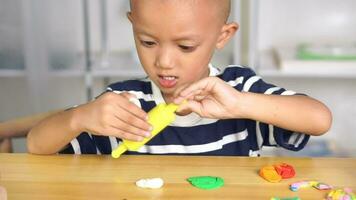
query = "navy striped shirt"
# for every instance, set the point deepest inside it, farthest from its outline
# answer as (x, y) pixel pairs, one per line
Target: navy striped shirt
(193, 135)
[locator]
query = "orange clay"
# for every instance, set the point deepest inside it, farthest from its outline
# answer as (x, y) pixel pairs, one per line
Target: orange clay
(269, 174)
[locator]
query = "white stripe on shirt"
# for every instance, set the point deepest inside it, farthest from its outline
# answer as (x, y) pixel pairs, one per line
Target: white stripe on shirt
(76, 146)
(293, 138)
(300, 139)
(189, 121)
(113, 142)
(259, 135)
(271, 90)
(250, 82)
(258, 128)
(237, 81)
(201, 148)
(232, 66)
(138, 94)
(271, 139)
(288, 92)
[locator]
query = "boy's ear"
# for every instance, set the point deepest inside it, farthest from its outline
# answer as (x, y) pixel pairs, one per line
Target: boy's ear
(129, 16)
(227, 31)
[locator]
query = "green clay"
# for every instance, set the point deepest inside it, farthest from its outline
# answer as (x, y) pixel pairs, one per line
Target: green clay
(206, 182)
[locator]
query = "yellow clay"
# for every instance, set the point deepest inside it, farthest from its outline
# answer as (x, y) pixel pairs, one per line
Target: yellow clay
(159, 117)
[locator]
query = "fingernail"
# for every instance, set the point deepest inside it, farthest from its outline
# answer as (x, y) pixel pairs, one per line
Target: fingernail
(150, 129)
(147, 134)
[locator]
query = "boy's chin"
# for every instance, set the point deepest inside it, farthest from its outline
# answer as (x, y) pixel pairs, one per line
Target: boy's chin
(168, 95)
(168, 91)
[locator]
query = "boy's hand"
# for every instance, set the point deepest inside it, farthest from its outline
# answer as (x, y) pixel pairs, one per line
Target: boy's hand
(113, 115)
(210, 97)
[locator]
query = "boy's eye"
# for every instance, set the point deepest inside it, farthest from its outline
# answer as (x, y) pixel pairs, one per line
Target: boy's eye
(186, 48)
(147, 43)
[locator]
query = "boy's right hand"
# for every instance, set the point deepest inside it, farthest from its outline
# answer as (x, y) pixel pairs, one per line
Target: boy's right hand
(113, 115)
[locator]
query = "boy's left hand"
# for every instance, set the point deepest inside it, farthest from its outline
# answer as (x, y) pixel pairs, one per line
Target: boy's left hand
(210, 97)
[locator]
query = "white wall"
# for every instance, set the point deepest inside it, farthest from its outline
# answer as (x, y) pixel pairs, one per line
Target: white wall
(291, 22)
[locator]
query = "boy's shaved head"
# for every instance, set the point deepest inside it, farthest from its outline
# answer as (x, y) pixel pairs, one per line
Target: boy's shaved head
(222, 7)
(176, 39)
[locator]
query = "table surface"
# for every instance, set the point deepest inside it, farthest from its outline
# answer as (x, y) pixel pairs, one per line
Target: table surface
(27, 176)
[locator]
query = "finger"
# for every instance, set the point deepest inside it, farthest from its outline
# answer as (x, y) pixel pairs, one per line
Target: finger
(132, 98)
(178, 91)
(128, 128)
(117, 132)
(197, 95)
(123, 100)
(184, 108)
(180, 99)
(199, 85)
(132, 107)
(205, 84)
(132, 119)
(193, 106)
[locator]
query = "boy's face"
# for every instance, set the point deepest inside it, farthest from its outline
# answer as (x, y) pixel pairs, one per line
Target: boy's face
(175, 40)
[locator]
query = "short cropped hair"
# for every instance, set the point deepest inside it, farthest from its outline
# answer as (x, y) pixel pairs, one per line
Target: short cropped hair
(224, 6)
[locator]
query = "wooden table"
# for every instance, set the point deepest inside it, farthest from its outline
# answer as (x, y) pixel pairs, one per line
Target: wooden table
(102, 177)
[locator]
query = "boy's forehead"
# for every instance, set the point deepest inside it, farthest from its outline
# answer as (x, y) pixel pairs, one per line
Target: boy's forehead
(220, 8)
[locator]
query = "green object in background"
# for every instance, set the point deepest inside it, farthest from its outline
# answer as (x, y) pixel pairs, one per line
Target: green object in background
(327, 52)
(206, 182)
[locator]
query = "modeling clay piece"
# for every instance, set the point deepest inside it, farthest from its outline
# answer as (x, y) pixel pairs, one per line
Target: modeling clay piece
(304, 184)
(152, 183)
(206, 182)
(159, 117)
(322, 186)
(288, 198)
(270, 174)
(339, 194)
(285, 170)
(300, 184)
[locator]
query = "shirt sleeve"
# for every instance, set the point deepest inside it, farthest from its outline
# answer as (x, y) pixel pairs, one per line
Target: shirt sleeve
(267, 134)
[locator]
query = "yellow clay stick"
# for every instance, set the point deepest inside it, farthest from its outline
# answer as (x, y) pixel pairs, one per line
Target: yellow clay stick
(159, 117)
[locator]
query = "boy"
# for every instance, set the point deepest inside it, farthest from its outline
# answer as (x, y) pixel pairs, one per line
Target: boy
(225, 115)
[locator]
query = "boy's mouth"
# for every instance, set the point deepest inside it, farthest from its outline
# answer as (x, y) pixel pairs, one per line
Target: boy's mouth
(167, 81)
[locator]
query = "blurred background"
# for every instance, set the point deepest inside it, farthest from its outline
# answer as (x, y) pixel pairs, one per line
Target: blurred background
(56, 54)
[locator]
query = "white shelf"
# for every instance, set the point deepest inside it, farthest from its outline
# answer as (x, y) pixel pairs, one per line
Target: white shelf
(100, 73)
(268, 67)
(12, 73)
(67, 73)
(118, 72)
(120, 64)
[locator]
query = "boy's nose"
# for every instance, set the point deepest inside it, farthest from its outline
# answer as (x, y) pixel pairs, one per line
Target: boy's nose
(164, 59)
